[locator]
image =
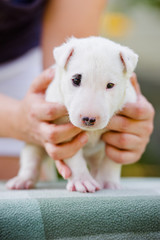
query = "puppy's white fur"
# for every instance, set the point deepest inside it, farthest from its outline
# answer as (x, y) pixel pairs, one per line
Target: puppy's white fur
(99, 61)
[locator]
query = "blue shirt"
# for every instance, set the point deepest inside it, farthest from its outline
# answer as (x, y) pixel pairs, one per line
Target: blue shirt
(20, 27)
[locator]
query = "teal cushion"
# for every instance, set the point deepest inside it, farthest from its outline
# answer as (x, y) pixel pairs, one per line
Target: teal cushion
(50, 212)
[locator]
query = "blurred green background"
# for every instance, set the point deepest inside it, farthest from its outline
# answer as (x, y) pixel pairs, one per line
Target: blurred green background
(137, 24)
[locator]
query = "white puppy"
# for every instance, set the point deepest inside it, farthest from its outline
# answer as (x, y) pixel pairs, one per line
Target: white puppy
(92, 80)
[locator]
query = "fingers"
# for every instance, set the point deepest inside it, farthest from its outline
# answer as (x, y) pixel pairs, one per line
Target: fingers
(41, 83)
(57, 152)
(66, 150)
(63, 169)
(46, 111)
(121, 156)
(136, 118)
(123, 124)
(124, 148)
(135, 84)
(42, 110)
(141, 110)
(56, 134)
(130, 130)
(123, 141)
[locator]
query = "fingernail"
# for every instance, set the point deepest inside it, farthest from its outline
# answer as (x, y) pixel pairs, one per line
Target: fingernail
(84, 138)
(63, 174)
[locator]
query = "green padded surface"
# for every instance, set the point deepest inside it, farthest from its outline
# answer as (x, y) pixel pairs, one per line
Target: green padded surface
(50, 212)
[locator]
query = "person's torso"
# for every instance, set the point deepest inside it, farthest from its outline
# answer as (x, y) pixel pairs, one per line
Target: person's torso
(20, 27)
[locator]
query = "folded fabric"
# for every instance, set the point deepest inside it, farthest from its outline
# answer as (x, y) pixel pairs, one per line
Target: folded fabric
(50, 212)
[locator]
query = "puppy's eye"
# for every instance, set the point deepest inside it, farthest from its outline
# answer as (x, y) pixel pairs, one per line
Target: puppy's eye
(110, 85)
(76, 80)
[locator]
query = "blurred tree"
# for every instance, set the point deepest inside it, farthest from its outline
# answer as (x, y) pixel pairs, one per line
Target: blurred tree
(153, 3)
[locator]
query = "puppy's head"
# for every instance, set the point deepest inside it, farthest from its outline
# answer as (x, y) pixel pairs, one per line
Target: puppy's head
(94, 77)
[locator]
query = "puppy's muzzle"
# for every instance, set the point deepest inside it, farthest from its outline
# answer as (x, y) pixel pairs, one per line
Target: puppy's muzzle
(89, 121)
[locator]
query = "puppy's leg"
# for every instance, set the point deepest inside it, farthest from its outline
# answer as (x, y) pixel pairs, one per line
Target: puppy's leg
(108, 175)
(30, 162)
(81, 180)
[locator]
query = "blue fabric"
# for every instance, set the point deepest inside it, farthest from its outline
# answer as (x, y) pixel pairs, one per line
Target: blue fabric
(50, 212)
(20, 27)
(22, 1)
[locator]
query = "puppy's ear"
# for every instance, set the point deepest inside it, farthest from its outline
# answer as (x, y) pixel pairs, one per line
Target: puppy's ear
(63, 54)
(129, 60)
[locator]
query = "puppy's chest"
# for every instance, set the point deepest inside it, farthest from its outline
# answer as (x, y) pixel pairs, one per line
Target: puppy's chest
(94, 137)
(94, 144)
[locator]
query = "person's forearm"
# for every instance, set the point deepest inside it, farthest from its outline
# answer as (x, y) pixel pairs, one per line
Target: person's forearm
(66, 18)
(8, 117)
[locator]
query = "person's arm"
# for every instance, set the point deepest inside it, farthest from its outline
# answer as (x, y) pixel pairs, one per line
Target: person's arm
(21, 119)
(130, 130)
(66, 18)
(9, 108)
(30, 120)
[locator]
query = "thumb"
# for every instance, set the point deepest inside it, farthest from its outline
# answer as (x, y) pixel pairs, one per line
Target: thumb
(135, 84)
(41, 83)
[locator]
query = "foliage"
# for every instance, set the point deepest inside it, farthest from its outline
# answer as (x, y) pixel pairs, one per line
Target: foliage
(152, 3)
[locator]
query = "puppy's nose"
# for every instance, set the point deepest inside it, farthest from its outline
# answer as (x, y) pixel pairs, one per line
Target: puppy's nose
(88, 121)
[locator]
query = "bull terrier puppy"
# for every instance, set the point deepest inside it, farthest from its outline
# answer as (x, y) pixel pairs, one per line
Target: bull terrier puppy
(92, 80)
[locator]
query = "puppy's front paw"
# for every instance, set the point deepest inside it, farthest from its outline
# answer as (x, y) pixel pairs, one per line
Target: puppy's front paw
(19, 182)
(88, 184)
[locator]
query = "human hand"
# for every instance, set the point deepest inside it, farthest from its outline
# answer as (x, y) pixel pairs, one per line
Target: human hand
(36, 118)
(130, 130)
